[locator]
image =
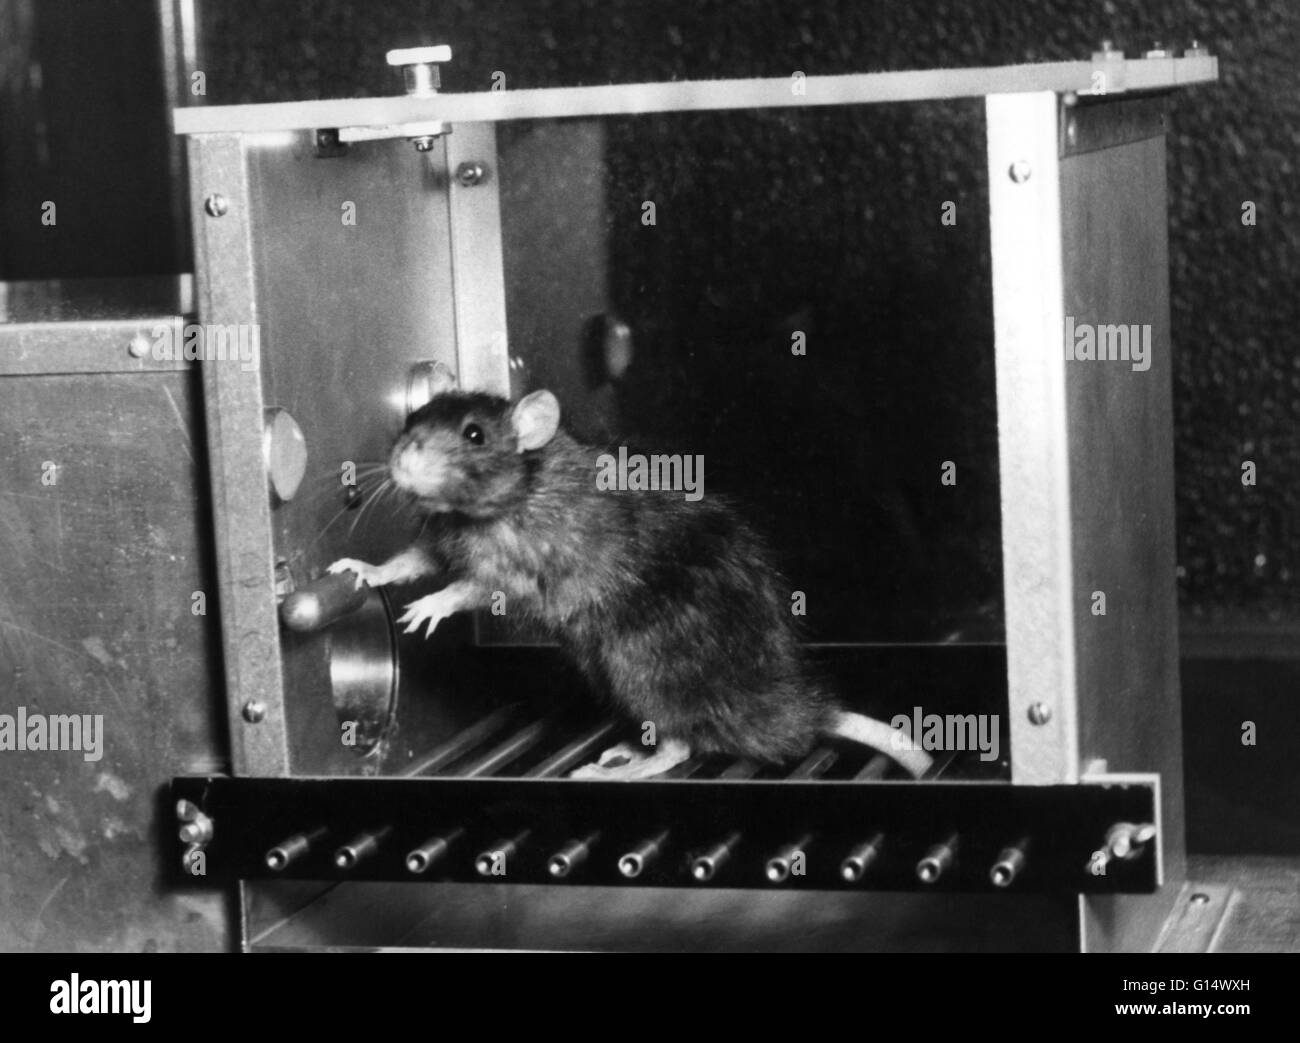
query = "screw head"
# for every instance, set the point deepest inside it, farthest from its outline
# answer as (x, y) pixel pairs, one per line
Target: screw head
(1200, 898)
(1020, 171)
(470, 174)
(138, 347)
(284, 584)
(1040, 713)
(254, 711)
(216, 205)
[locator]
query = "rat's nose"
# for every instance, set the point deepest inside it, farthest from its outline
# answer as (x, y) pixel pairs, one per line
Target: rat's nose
(398, 467)
(416, 471)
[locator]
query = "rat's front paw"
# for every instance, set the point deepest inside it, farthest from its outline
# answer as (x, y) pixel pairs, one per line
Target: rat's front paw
(370, 574)
(434, 609)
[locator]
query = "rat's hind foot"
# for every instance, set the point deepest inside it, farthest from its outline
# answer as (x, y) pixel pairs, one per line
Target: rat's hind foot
(621, 754)
(625, 761)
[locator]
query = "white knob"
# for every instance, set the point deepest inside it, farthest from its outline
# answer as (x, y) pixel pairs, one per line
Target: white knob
(419, 55)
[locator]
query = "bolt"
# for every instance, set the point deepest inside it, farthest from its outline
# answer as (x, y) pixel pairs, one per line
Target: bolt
(186, 811)
(254, 711)
(419, 67)
(1157, 50)
(328, 143)
(1040, 713)
(197, 832)
(1196, 50)
(422, 78)
(216, 205)
(470, 174)
(1126, 839)
(139, 346)
(1200, 898)
(1020, 171)
(1011, 860)
(284, 585)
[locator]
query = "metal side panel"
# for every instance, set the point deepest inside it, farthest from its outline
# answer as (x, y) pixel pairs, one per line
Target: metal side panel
(1122, 469)
(1079, 244)
(351, 256)
(226, 294)
(1114, 234)
(478, 274)
(1033, 436)
(104, 533)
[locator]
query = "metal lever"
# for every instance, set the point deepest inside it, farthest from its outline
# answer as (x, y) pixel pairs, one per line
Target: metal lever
(361, 657)
(322, 602)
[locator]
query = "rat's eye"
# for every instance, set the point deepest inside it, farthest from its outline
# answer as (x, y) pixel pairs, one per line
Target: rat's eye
(473, 434)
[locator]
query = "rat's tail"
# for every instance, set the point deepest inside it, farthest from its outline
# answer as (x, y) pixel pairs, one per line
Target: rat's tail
(878, 735)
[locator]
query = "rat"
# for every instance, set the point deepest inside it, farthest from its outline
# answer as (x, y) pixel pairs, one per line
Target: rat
(670, 606)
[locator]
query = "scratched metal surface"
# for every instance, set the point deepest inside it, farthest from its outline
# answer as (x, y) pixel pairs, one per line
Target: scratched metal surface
(95, 618)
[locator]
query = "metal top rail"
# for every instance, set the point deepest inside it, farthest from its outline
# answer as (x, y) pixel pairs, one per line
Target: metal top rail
(1100, 76)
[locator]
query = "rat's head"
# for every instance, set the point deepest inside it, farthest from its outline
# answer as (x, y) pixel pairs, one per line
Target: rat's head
(470, 452)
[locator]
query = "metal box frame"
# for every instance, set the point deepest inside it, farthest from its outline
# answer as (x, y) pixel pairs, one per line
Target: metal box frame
(1078, 228)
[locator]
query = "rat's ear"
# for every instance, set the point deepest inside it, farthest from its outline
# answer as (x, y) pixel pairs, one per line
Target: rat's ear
(536, 419)
(440, 379)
